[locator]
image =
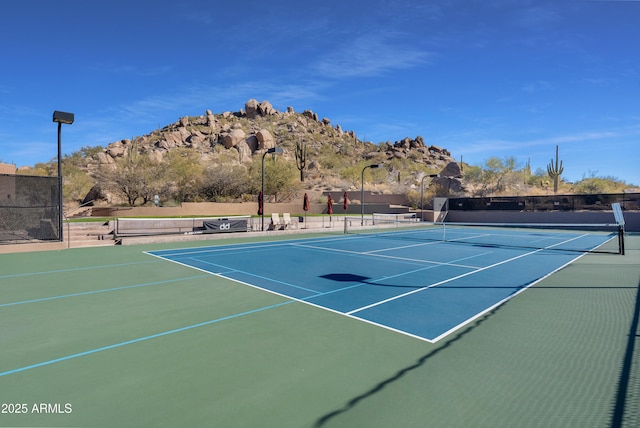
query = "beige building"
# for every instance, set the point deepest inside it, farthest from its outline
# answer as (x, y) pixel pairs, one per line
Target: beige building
(7, 168)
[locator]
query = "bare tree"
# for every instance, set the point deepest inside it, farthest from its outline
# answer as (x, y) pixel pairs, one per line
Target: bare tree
(134, 177)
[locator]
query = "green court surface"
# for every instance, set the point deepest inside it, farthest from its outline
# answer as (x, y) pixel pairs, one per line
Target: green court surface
(114, 337)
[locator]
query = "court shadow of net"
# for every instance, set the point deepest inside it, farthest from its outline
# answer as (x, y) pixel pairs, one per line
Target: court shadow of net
(322, 421)
(345, 277)
(626, 409)
(349, 277)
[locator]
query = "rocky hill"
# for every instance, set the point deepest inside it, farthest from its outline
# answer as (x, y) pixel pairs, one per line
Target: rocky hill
(237, 138)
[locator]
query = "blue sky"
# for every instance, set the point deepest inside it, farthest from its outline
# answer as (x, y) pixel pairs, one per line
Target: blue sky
(479, 78)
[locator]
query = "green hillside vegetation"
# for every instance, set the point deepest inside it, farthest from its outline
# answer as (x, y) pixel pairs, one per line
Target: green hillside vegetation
(317, 157)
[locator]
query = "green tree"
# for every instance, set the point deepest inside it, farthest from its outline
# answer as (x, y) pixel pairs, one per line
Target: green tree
(184, 173)
(593, 184)
(279, 177)
(48, 169)
(221, 183)
(495, 176)
(76, 183)
(135, 177)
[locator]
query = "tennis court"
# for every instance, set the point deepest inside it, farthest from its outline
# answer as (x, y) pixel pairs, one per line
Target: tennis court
(390, 328)
(411, 280)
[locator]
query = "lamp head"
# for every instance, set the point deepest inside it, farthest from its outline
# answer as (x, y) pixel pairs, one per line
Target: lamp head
(62, 117)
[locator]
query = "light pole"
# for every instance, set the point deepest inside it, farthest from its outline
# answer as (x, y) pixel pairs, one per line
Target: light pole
(422, 194)
(61, 117)
(362, 192)
(275, 151)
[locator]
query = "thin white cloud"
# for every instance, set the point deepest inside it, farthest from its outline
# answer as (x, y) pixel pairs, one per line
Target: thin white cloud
(602, 82)
(370, 55)
(144, 115)
(128, 69)
(199, 17)
(16, 152)
(537, 86)
(497, 145)
(142, 71)
(538, 17)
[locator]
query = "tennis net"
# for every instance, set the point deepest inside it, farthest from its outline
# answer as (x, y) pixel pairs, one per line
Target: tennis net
(601, 238)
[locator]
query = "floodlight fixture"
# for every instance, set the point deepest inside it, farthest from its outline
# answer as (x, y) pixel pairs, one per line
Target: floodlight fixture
(67, 118)
(276, 150)
(63, 117)
(362, 192)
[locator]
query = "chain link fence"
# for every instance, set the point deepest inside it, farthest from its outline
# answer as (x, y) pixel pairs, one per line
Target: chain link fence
(29, 209)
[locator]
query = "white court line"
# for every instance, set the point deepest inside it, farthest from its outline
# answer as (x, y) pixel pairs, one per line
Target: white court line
(404, 259)
(350, 314)
(241, 246)
(402, 247)
(455, 278)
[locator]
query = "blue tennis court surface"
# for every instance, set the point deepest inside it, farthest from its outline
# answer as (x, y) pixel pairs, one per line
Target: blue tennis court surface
(422, 288)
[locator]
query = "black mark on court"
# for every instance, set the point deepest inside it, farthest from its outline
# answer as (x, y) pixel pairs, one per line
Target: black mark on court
(345, 277)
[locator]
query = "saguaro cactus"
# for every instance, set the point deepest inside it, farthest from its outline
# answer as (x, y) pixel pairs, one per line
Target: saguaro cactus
(301, 158)
(555, 171)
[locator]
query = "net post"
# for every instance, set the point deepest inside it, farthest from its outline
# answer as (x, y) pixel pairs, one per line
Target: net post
(619, 217)
(345, 225)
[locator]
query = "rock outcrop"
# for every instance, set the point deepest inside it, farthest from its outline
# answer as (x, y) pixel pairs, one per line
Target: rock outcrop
(259, 126)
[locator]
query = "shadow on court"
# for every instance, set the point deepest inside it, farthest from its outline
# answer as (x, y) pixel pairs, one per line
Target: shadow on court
(351, 278)
(625, 409)
(405, 371)
(629, 383)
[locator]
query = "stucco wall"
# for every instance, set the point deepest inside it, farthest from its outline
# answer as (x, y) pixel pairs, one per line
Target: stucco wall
(212, 209)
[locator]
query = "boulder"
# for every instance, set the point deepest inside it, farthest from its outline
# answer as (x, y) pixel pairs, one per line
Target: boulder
(104, 158)
(252, 142)
(195, 140)
(265, 140)
(117, 149)
(451, 170)
(233, 138)
(266, 109)
(310, 114)
(244, 151)
(211, 120)
(174, 139)
(156, 156)
(251, 108)
(95, 194)
(163, 144)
